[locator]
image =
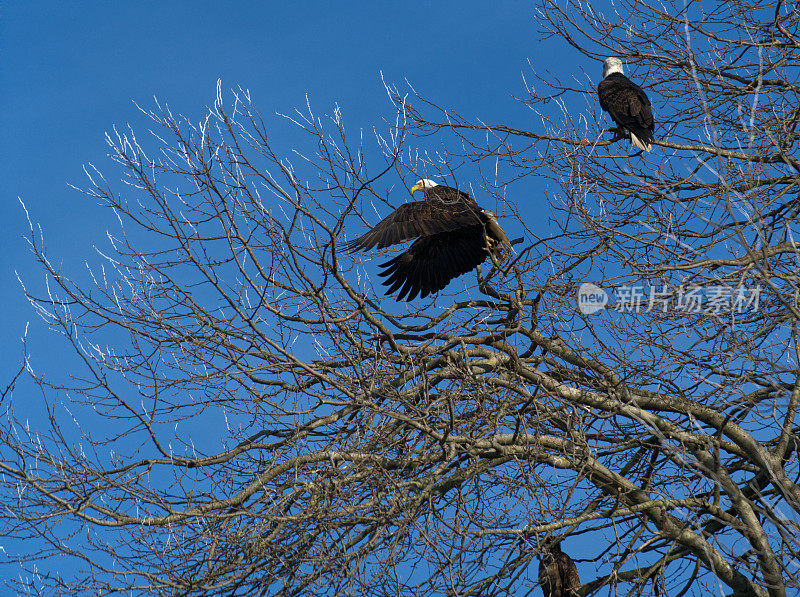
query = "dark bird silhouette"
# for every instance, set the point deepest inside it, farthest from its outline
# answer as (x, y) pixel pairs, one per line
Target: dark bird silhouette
(558, 575)
(627, 104)
(454, 235)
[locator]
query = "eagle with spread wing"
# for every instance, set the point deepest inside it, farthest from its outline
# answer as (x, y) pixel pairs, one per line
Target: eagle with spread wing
(454, 235)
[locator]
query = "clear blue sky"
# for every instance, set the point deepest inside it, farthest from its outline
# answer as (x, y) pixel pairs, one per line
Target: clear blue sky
(71, 70)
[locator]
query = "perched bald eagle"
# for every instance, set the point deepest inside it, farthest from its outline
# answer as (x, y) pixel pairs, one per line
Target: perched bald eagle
(558, 575)
(627, 104)
(454, 236)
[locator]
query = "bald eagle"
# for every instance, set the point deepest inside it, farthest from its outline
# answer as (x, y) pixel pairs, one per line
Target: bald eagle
(627, 104)
(558, 575)
(454, 235)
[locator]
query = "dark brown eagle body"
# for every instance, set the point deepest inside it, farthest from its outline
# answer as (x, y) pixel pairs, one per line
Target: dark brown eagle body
(454, 235)
(558, 575)
(626, 103)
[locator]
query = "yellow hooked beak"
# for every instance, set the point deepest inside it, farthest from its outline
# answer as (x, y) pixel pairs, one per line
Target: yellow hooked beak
(415, 188)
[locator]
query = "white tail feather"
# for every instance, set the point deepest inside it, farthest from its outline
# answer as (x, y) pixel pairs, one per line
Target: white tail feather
(639, 143)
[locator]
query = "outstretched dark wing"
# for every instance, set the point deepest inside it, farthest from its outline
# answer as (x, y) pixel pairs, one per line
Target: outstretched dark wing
(432, 261)
(627, 104)
(421, 218)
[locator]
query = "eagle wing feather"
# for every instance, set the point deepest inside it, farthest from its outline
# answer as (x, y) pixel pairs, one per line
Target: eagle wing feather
(410, 220)
(432, 261)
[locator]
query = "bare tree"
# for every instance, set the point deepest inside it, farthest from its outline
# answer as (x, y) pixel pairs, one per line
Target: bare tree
(250, 415)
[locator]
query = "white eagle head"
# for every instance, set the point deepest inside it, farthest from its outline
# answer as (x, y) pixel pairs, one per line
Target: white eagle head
(424, 185)
(612, 65)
